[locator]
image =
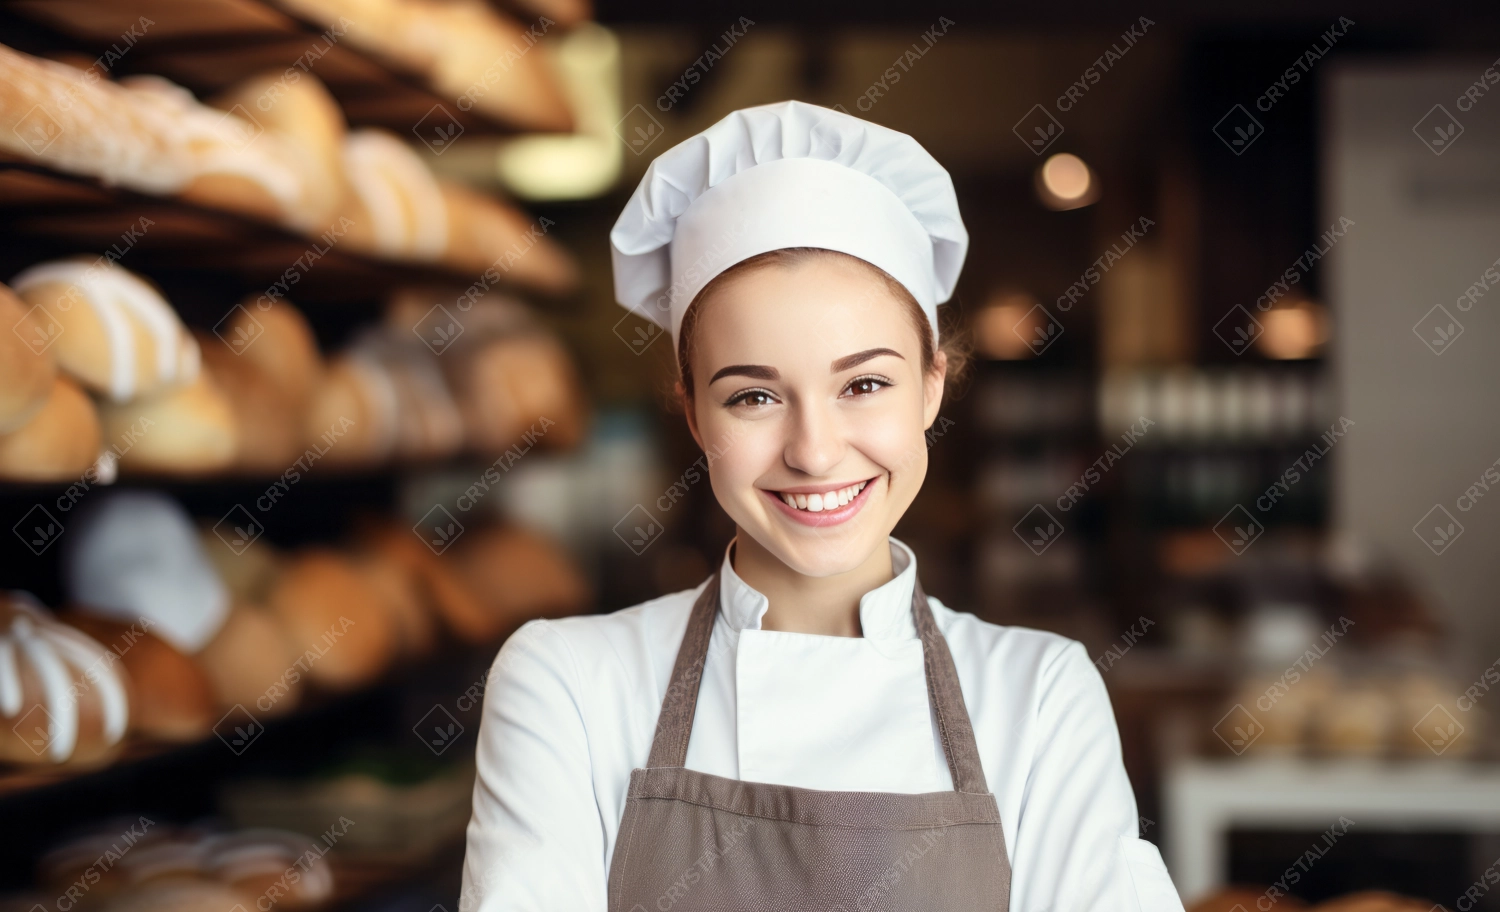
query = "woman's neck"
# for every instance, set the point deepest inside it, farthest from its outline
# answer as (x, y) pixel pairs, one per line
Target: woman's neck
(826, 605)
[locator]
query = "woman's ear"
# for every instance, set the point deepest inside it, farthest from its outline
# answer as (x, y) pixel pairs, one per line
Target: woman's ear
(932, 386)
(687, 411)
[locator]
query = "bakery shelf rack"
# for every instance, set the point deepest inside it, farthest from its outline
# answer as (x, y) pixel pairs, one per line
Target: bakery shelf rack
(208, 45)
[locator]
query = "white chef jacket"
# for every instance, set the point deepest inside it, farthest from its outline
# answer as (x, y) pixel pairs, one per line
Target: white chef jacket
(572, 704)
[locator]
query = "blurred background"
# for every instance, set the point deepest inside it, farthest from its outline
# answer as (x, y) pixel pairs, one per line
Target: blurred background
(1231, 290)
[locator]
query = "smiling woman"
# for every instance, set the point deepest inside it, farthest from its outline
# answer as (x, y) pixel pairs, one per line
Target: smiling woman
(861, 745)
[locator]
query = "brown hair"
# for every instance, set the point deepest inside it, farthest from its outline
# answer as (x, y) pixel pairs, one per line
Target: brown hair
(954, 341)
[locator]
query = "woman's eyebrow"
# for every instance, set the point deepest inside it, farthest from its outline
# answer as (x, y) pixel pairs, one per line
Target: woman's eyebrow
(859, 358)
(765, 372)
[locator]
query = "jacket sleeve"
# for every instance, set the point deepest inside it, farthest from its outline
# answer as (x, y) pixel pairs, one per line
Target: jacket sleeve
(535, 841)
(1077, 844)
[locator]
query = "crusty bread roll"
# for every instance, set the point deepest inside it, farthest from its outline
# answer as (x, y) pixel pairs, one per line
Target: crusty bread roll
(252, 662)
(357, 394)
(27, 364)
(479, 53)
(400, 594)
(51, 114)
(64, 698)
(466, 48)
(394, 203)
(119, 336)
(519, 388)
(335, 618)
(268, 427)
(284, 347)
(172, 699)
(462, 612)
(428, 423)
(308, 121)
(256, 862)
(237, 162)
(60, 441)
(250, 574)
(519, 574)
(188, 429)
(485, 234)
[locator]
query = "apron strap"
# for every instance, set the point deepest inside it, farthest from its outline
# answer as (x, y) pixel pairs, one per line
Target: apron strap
(675, 724)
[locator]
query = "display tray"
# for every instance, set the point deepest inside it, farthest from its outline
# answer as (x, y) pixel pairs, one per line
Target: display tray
(46, 214)
(208, 45)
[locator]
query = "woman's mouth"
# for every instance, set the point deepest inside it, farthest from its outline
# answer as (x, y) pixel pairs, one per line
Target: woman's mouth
(823, 509)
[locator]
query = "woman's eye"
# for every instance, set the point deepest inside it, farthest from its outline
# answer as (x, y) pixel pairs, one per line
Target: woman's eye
(752, 398)
(864, 386)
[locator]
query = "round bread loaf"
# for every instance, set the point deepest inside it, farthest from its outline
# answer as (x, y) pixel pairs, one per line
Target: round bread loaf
(171, 697)
(400, 594)
(117, 335)
(334, 619)
(358, 395)
(27, 364)
(59, 443)
(252, 662)
(461, 611)
(518, 575)
(281, 344)
(268, 427)
(65, 698)
(186, 430)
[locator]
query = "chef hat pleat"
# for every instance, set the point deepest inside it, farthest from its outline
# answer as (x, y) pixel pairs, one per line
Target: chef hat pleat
(782, 175)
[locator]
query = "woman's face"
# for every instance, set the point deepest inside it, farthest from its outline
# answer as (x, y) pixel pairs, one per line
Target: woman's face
(808, 380)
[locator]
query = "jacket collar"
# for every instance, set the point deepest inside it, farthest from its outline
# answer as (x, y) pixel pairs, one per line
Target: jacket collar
(884, 612)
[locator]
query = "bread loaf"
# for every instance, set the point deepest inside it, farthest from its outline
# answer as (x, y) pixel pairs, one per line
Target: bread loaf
(517, 575)
(251, 662)
(55, 115)
(118, 335)
(308, 122)
(192, 429)
(462, 612)
(63, 697)
(59, 443)
(27, 364)
(395, 204)
(487, 236)
(357, 393)
(171, 698)
(334, 619)
(269, 427)
(256, 861)
(283, 346)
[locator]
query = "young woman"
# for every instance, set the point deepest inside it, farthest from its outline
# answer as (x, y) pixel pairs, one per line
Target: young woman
(805, 731)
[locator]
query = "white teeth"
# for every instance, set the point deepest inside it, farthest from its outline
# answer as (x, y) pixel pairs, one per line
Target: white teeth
(817, 503)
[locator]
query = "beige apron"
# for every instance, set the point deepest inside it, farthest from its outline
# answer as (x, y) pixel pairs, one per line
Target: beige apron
(692, 842)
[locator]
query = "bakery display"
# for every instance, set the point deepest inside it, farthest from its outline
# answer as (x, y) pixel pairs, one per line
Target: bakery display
(63, 698)
(27, 363)
(59, 442)
(116, 334)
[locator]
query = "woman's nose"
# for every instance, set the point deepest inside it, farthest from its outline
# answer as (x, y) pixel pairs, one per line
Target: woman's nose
(815, 439)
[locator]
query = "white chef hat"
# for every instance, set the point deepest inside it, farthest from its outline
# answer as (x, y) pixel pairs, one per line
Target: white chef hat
(788, 174)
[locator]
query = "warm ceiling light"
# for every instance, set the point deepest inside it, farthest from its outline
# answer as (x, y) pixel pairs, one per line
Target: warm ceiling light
(1293, 331)
(1004, 325)
(1065, 182)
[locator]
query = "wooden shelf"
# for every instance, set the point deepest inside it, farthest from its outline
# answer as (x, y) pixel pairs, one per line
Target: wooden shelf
(46, 214)
(208, 45)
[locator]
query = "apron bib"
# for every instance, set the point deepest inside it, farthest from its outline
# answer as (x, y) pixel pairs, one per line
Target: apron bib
(692, 842)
